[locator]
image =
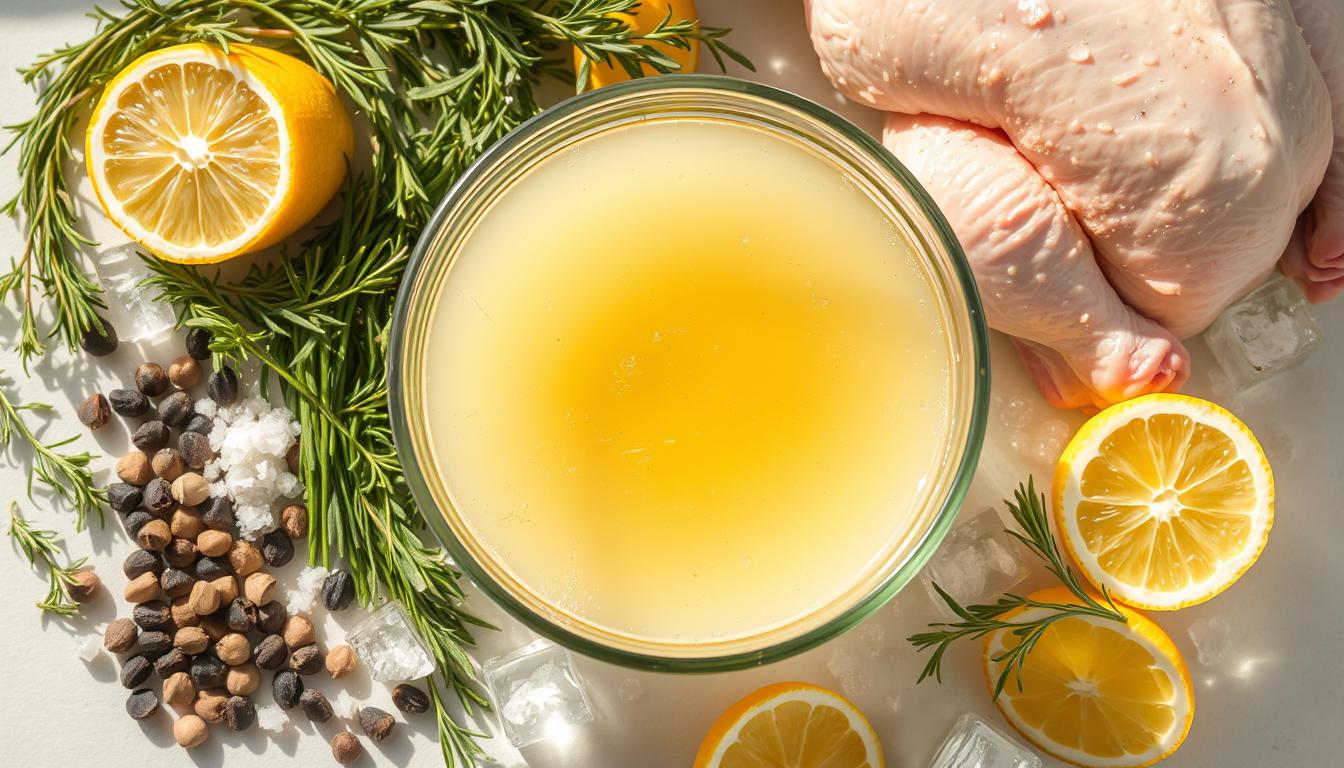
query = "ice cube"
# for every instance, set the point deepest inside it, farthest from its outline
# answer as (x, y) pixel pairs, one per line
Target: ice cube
(538, 693)
(131, 308)
(390, 647)
(1265, 333)
(977, 562)
(1051, 437)
(850, 672)
(1212, 638)
(973, 743)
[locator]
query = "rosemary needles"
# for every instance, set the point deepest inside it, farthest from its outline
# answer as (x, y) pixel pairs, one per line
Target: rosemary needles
(39, 547)
(1029, 512)
(67, 474)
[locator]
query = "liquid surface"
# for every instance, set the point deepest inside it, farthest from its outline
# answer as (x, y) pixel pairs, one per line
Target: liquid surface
(686, 382)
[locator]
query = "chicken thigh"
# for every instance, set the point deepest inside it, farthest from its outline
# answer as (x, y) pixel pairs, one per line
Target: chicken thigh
(1117, 173)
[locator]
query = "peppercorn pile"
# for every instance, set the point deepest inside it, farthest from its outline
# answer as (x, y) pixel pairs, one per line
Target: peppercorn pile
(204, 616)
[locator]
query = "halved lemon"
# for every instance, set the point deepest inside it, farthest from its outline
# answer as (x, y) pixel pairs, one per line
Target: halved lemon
(648, 15)
(1165, 500)
(791, 725)
(200, 156)
(1095, 692)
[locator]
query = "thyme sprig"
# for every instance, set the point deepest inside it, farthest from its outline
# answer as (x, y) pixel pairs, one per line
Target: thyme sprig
(67, 474)
(1029, 512)
(40, 548)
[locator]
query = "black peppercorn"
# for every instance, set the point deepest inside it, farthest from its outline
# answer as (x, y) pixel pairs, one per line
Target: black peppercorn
(306, 660)
(100, 339)
(176, 409)
(222, 386)
(152, 615)
(93, 411)
(141, 561)
(217, 512)
(151, 379)
(152, 645)
(172, 662)
(136, 671)
(271, 652)
(408, 698)
(287, 687)
(199, 424)
(239, 714)
(198, 343)
(141, 704)
(338, 590)
(315, 706)
(375, 722)
(195, 449)
(135, 521)
(242, 615)
(271, 617)
(130, 403)
(157, 497)
(211, 568)
(176, 582)
(150, 436)
(124, 497)
(207, 672)
(277, 549)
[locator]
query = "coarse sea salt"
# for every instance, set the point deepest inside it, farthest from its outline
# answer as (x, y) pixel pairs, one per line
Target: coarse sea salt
(271, 718)
(88, 647)
(344, 705)
(308, 584)
(250, 439)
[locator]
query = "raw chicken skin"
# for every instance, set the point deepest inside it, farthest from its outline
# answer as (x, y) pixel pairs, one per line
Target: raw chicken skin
(1118, 173)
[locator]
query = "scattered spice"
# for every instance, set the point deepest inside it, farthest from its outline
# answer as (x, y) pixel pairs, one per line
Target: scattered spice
(277, 549)
(180, 553)
(286, 687)
(242, 616)
(135, 671)
(341, 661)
(154, 536)
(120, 635)
(142, 588)
(242, 679)
(215, 625)
(129, 403)
(199, 424)
(271, 653)
(140, 562)
(136, 521)
(222, 386)
(82, 586)
(375, 722)
(124, 497)
(257, 587)
(142, 704)
(233, 649)
(212, 568)
(168, 464)
(152, 615)
(408, 698)
(292, 457)
(183, 616)
(315, 706)
(171, 663)
(93, 411)
(239, 713)
(271, 617)
(213, 543)
(204, 599)
(217, 512)
(152, 644)
(294, 521)
(191, 640)
(186, 522)
(150, 379)
(198, 343)
(306, 660)
(210, 704)
(190, 731)
(299, 632)
(150, 436)
(176, 409)
(178, 690)
(176, 582)
(134, 468)
(184, 372)
(158, 497)
(338, 590)
(99, 342)
(195, 449)
(244, 557)
(190, 489)
(345, 748)
(207, 672)
(227, 587)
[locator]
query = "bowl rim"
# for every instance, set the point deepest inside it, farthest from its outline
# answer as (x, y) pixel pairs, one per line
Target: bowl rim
(979, 374)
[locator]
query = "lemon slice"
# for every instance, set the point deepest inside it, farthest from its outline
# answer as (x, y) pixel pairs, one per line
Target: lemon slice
(200, 156)
(1164, 500)
(793, 725)
(647, 16)
(1095, 692)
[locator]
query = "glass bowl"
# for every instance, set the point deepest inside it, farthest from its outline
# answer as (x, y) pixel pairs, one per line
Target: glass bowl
(868, 166)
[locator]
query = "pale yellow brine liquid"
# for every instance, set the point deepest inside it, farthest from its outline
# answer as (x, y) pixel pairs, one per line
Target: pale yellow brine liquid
(685, 382)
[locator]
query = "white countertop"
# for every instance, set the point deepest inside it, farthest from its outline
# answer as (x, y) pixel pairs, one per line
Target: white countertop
(1275, 701)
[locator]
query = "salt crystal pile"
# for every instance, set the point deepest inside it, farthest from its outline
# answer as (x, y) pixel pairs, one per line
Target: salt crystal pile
(271, 718)
(250, 440)
(301, 599)
(389, 646)
(344, 706)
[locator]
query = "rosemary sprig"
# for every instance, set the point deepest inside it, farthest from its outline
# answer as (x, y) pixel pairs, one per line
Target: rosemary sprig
(1029, 511)
(65, 473)
(39, 547)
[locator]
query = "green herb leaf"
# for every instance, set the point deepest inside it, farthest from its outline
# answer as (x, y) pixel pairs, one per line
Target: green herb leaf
(67, 474)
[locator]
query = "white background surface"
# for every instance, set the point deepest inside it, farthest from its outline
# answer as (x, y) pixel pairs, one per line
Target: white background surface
(1277, 700)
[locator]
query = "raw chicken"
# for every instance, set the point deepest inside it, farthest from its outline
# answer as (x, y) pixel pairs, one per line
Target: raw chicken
(1117, 173)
